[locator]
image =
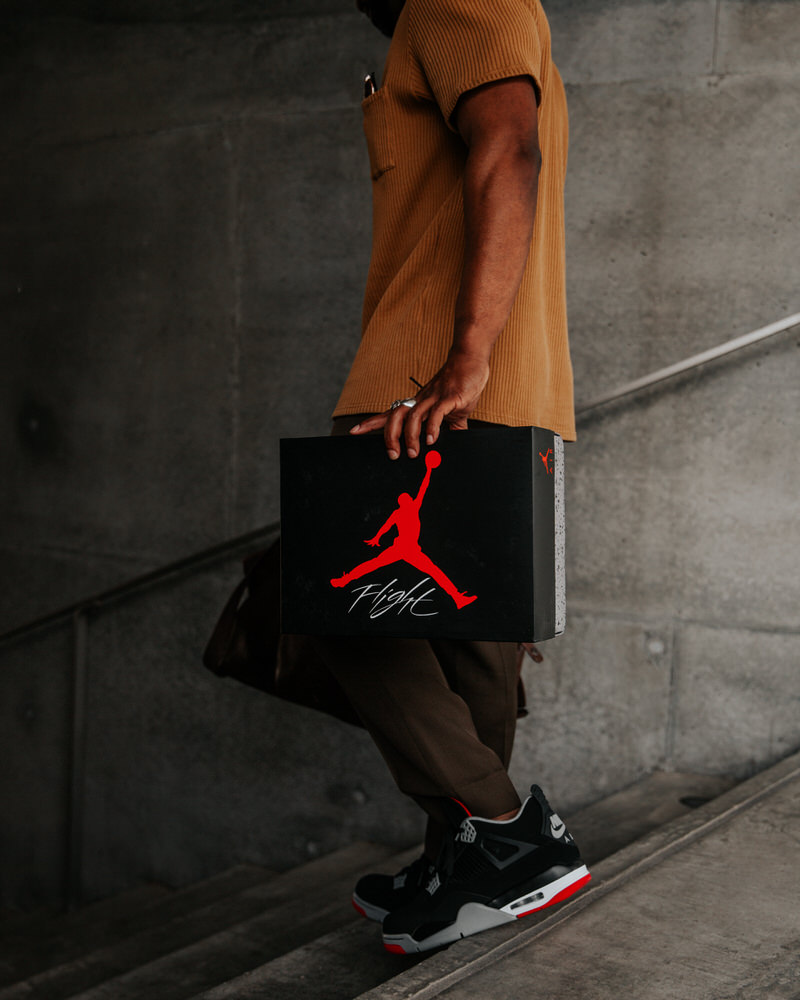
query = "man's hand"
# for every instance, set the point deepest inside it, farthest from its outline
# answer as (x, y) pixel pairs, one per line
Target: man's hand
(450, 396)
(499, 125)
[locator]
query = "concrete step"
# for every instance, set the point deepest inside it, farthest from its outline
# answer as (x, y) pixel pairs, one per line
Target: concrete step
(39, 926)
(13, 921)
(223, 956)
(337, 966)
(618, 820)
(49, 920)
(345, 963)
(190, 951)
(56, 941)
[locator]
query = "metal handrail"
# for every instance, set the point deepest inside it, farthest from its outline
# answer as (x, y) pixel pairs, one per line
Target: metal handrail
(688, 363)
(232, 545)
(181, 566)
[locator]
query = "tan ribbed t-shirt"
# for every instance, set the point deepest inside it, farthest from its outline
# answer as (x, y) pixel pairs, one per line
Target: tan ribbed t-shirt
(440, 50)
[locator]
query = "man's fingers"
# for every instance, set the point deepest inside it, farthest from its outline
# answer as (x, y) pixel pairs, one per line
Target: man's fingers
(392, 422)
(407, 421)
(435, 419)
(413, 425)
(370, 424)
(392, 429)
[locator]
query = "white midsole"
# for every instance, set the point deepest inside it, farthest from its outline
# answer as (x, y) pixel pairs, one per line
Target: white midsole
(538, 898)
(475, 917)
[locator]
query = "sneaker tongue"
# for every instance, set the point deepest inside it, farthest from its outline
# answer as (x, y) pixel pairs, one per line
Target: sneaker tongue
(417, 870)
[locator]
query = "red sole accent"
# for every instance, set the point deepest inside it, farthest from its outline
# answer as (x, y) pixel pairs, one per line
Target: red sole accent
(395, 949)
(561, 896)
(358, 909)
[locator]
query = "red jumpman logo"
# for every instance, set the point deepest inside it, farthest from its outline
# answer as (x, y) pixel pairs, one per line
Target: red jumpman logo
(405, 547)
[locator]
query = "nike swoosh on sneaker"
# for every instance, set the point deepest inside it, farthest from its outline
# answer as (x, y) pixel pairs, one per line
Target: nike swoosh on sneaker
(557, 827)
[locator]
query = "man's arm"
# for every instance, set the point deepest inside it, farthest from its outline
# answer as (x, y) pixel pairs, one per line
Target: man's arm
(499, 124)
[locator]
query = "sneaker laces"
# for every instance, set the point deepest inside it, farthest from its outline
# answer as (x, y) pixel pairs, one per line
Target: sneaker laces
(451, 850)
(415, 874)
(415, 870)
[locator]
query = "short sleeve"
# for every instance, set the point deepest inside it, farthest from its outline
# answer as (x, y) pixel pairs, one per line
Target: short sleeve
(462, 44)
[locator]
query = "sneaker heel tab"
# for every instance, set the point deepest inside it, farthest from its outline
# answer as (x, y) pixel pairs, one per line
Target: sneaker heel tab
(541, 798)
(543, 807)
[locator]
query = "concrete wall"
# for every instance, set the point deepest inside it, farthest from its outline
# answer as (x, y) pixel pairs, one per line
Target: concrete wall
(185, 238)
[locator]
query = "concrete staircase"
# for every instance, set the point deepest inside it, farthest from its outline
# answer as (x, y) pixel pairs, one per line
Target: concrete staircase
(249, 933)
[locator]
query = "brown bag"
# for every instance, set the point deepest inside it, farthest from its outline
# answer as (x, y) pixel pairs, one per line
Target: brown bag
(247, 645)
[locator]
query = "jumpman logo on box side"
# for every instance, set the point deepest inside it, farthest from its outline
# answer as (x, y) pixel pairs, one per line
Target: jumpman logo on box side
(405, 547)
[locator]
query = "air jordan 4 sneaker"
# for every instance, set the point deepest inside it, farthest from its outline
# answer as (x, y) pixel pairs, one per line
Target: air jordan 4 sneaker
(490, 872)
(375, 896)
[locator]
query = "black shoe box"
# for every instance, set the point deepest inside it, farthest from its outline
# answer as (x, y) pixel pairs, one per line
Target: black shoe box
(489, 525)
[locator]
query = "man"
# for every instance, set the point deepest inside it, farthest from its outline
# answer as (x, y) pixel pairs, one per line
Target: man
(467, 139)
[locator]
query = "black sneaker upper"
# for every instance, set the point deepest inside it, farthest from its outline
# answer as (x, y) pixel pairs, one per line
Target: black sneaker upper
(388, 892)
(492, 863)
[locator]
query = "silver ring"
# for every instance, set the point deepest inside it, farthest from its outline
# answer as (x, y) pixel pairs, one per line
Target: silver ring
(403, 402)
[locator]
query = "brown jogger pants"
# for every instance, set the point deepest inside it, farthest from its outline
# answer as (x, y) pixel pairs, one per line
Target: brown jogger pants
(441, 712)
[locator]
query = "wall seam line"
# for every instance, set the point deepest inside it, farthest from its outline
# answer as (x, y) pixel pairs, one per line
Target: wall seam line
(655, 620)
(672, 704)
(715, 39)
(236, 346)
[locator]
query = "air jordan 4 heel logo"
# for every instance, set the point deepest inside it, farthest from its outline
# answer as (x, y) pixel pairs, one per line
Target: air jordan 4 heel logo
(547, 458)
(557, 827)
(405, 547)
